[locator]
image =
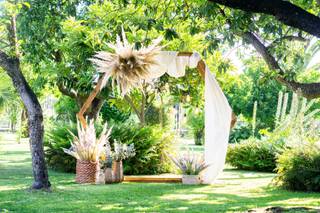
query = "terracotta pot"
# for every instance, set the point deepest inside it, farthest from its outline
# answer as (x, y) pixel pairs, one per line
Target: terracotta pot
(86, 171)
(117, 171)
(191, 179)
(108, 175)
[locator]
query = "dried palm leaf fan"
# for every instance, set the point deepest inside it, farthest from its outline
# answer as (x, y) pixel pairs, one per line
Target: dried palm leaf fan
(127, 66)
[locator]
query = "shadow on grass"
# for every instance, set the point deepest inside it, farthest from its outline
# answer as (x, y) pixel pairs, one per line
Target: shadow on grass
(66, 196)
(138, 197)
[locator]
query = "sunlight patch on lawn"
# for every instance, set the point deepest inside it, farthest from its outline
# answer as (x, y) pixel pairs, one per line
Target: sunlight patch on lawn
(183, 196)
(114, 206)
(181, 208)
(8, 188)
(298, 202)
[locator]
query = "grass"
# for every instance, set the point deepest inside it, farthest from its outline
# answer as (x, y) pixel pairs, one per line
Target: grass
(235, 191)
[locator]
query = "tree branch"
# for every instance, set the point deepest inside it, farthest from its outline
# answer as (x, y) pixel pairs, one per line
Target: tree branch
(308, 90)
(287, 38)
(284, 11)
(252, 39)
(64, 90)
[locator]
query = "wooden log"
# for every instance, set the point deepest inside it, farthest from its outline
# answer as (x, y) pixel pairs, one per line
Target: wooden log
(153, 179)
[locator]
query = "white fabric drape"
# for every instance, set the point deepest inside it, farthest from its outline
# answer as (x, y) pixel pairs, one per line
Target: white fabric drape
(217, 109)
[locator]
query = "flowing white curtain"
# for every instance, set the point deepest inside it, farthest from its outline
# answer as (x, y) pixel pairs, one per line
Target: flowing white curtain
(217, 109)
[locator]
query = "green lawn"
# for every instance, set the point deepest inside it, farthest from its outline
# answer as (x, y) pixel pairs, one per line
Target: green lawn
(236, 191)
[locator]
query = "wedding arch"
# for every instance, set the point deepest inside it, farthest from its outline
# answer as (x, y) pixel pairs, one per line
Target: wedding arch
(218, 113)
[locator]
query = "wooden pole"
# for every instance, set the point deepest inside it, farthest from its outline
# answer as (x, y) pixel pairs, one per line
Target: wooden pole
(89, 100)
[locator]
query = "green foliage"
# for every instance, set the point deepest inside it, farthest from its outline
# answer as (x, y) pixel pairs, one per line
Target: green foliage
(196, 122)
(150, 144)
(58, 137)
(250, 86)
(241, 131)
(298, 168)
(252, 154)
(153, 116)
(66, 109)
(109, 112)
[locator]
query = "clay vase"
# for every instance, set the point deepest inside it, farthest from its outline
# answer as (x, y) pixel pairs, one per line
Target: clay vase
(108, 175)
(117, 171)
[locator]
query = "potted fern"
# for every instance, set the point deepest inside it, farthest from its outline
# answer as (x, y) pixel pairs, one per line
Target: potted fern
(87, 149)
(190, 166)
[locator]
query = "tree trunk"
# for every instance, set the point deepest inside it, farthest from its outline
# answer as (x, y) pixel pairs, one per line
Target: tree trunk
(35, 120)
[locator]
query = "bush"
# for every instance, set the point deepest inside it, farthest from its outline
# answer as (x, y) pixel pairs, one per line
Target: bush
(196, 122)
(150, 144)
(109, 112)
(241, 131)
(153, 116)
(56, 138)
(299, 168)
(66, 108)
(253, 154)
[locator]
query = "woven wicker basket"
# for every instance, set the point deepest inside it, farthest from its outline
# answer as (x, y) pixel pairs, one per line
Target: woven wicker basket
(86, 172)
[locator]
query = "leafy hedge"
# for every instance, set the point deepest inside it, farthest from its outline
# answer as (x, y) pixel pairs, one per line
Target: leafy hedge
(299, 168)
(252, 154)
(150, 143)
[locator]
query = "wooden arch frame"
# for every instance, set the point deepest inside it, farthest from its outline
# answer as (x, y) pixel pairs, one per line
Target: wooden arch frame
(201, 67)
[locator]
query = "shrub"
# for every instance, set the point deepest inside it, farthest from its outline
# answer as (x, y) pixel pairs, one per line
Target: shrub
(110, 112)
(253, 154)
(150, 144)
(153, 116)
(58, 138)
(66, 108)
(241, 131)
(298, 168)
(196, 122)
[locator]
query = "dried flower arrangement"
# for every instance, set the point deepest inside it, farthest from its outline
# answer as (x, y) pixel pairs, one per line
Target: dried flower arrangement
(189, 163)
(86, 146)
(127, 66)
(123, 151)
